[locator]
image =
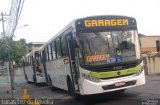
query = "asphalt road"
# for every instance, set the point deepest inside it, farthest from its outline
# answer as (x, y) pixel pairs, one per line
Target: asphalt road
(142, 95)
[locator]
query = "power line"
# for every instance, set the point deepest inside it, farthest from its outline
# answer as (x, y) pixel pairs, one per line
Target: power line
(15, 12)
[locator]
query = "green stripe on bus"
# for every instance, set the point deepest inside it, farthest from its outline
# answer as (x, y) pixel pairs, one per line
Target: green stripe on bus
(115, 73)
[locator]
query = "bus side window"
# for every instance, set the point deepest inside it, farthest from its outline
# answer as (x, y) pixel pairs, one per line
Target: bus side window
(44, 55)
(49, 53)
(2, 63)
(64, 45)
(30, 61)
(58, 48)
(53, 50)
(46, 50)
(25, 61)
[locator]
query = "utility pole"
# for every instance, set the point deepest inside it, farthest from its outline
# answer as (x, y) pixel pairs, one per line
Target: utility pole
(10, 71)
(3, 25)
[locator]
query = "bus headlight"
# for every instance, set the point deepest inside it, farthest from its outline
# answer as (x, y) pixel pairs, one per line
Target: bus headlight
(141, 68)
(90, 78)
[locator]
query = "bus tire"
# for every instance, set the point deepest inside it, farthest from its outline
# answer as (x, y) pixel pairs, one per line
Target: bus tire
(26, 78)
(35, 80)
(70, 86)
(71, 89)
(50, 82)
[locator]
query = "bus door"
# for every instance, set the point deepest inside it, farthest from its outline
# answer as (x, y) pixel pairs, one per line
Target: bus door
(33, 68)
(72, 55)
(23, 65)
(44, 70)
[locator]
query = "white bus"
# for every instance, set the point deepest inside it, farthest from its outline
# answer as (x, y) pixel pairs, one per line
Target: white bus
(32, 66)
(27, 62)
(94, 55)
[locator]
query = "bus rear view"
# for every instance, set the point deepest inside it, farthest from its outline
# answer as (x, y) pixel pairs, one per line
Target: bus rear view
(109, 54)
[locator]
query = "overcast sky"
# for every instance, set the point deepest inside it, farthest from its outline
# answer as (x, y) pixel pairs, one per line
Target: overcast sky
(45, 18)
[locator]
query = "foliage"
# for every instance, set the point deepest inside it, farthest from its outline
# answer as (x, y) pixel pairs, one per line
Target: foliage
(3, 50)
(16, 49)
(141, 35)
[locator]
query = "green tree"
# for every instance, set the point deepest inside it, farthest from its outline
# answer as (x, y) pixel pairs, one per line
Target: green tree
(3, 50)
(141, 35)
(17, 49)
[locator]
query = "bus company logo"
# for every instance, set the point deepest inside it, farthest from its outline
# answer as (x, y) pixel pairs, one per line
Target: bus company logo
(118, 73)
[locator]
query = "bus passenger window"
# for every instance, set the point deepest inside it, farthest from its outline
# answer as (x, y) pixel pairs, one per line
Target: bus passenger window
(49, 53)
(64, 46)
(26, 60)
(30, 61)
(53, 50)
(27, 63)
(58, 48)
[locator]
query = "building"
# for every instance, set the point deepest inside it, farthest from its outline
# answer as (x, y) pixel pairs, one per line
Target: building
(34, 45)
(150, 44)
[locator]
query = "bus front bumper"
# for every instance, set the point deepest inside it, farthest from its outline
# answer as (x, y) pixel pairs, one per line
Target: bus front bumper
(90, 87)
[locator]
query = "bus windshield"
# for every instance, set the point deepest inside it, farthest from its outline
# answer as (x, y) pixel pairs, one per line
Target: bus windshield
(107, 47)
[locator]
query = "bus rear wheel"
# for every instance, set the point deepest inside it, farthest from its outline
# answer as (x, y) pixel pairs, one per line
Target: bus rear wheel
(34, 79)
(26, 78)
(50, 82)
(70, 86)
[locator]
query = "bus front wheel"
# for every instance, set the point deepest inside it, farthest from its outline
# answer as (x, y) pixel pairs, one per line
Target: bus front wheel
(70, 86)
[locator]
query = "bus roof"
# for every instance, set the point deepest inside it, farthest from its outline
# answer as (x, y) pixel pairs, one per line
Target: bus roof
(71, 24)
(74, 23)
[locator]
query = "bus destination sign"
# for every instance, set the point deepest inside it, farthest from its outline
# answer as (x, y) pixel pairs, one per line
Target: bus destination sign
(106, 22)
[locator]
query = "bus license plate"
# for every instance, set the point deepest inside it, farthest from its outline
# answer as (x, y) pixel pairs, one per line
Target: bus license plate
(120, 84)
